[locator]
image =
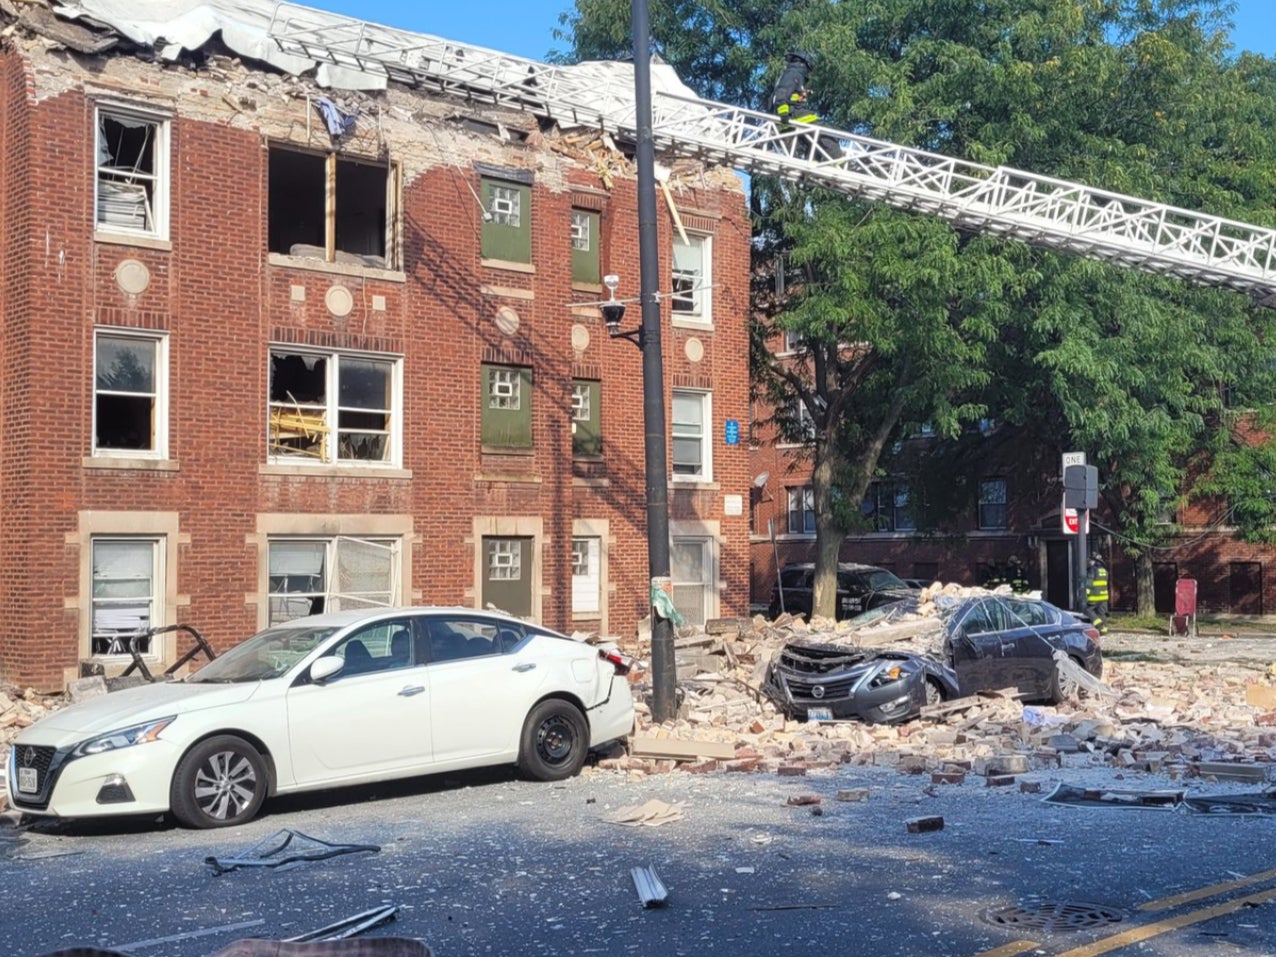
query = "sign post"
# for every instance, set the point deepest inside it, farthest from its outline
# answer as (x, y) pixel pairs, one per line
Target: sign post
(1080, 494)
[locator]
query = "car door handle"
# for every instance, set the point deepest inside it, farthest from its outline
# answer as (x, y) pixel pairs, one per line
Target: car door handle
(525, 666)
(410, 690)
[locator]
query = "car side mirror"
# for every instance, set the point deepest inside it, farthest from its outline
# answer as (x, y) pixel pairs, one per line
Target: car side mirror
(325, 667)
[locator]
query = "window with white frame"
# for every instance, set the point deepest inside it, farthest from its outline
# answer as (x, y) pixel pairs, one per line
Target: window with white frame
(692, 278)
(802, 510)
(132, 172)
(586, 575)
(797, 427)
(310, 575)
(691, 453)
(586, 257)
(130, 394)
(127, 593)
(792, 340)
(992, 504)
(886, 506)
(691, 568)
(332, 408)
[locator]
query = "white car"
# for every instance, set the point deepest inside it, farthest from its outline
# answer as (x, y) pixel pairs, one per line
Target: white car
(330, 700)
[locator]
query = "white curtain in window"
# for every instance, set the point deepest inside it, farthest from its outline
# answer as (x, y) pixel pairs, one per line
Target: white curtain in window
(586, 576)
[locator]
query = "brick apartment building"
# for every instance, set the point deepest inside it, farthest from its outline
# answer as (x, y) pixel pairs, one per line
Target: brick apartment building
(1015, 512)
(254, 367)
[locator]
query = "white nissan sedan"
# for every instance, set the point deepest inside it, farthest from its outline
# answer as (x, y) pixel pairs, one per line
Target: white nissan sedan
(330, 700)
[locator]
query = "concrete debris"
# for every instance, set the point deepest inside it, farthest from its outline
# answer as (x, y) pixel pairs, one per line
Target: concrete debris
(651, 889)
(1196, 719)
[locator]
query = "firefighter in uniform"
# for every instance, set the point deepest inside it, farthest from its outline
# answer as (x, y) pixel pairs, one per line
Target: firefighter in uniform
(1018, 576)
(788, 99)
(1096, 594)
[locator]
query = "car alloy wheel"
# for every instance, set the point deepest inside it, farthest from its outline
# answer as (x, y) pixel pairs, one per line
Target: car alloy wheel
(219, 782)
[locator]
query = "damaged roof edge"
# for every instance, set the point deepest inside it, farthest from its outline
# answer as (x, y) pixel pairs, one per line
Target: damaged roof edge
(175, 26)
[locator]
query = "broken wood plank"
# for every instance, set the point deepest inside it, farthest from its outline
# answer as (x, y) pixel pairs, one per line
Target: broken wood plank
(948, 707)
(645, 746)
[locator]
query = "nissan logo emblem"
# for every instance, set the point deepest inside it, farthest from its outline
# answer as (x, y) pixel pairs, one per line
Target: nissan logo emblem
(817, 691)
(28, 756)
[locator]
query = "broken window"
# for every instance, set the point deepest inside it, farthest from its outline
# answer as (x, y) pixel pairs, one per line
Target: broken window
(586, 254)
(332, 208)
(691, 278)
(125, 597)
(331, 408)
(132, 173)
(308, 576)
(129, 393)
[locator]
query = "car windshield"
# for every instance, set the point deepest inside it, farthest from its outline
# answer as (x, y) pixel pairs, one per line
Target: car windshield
(266, 654)
(880, 578)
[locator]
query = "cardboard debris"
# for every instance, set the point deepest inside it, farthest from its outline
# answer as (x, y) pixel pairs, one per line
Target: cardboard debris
(651, 814)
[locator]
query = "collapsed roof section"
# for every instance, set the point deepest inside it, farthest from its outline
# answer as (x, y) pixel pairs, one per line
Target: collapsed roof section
(285, 35)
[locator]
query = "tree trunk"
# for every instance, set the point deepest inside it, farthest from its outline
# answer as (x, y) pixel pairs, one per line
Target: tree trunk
(828, 537)
(1144, 585)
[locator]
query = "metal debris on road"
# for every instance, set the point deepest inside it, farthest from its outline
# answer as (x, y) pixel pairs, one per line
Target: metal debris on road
(651, 891)
(355, 924)
(271, 852)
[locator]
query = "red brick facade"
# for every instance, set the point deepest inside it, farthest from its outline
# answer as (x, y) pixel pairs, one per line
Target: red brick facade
(218, 301)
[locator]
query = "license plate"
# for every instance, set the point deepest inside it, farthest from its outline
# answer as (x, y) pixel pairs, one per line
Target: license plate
(28, 780)
(819, 714)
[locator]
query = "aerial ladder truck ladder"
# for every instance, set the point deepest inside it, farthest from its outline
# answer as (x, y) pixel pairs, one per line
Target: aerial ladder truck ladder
(1039, 210)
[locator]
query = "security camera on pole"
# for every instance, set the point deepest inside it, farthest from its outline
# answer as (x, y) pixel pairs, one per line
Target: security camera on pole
(1080, 494)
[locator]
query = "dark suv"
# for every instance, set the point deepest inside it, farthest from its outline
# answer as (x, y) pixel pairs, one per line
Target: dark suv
(859, 588)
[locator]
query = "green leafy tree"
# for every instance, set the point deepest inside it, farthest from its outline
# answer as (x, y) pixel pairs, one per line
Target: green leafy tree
(906, 321)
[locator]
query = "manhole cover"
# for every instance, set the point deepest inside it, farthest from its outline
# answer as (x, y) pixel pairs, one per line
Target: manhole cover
(1054, 915)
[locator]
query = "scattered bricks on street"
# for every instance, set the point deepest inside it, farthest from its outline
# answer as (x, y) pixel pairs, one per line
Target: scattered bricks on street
(1006, 764)
(920, 825)
(791, 770)
(852, 794)
(999, 780)
(912, 764)
(1029, 787)
(802, 800)
(947, 777)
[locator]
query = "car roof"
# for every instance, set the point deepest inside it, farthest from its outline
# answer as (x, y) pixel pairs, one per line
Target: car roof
(355, 616)
(841, 566)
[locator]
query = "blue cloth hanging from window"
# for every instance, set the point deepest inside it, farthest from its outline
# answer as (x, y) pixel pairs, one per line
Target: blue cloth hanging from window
(339, 122)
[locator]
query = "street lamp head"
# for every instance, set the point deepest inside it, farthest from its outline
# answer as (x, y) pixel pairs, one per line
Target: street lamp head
(613, 311)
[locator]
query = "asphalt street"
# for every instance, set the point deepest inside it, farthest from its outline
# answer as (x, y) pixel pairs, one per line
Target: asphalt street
(488, 864)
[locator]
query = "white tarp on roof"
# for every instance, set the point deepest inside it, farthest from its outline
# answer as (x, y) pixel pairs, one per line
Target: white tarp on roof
(603, 88)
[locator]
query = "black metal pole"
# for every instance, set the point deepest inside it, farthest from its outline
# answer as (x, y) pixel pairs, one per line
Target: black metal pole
(663, 671)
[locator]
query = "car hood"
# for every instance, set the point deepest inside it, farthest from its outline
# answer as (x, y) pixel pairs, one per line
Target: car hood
(120, 709)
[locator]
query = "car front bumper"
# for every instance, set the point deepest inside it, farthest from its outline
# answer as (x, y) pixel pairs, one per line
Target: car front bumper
(882, 704)
(132, 780)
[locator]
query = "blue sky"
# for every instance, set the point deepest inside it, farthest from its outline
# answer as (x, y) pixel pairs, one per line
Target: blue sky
(525, 27)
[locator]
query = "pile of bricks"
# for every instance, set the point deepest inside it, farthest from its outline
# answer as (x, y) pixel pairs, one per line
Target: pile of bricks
(1181, 720)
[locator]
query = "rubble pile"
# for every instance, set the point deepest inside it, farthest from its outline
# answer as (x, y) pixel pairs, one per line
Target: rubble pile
(1178, 719)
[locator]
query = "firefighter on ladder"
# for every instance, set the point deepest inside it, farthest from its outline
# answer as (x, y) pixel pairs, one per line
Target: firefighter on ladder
(1096, 593)
(789, 102)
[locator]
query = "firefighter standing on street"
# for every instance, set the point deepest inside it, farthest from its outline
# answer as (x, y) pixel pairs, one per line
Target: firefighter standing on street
(1096, 593)
(1018, 576)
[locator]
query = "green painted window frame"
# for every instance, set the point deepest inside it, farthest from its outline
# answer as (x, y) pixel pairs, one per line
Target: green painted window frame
(502, 240)
(506, 427)
(586, 248)
(587, 438)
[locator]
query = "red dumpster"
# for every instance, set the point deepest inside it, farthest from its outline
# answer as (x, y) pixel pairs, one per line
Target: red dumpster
(1184, 620)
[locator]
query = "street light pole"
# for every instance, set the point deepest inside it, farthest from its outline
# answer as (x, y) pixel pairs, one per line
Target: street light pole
(663, 670)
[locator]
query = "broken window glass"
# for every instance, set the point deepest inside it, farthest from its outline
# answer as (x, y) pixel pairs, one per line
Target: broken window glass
(360, 227)
(124, 594)
(304, 420)
(129, 182)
